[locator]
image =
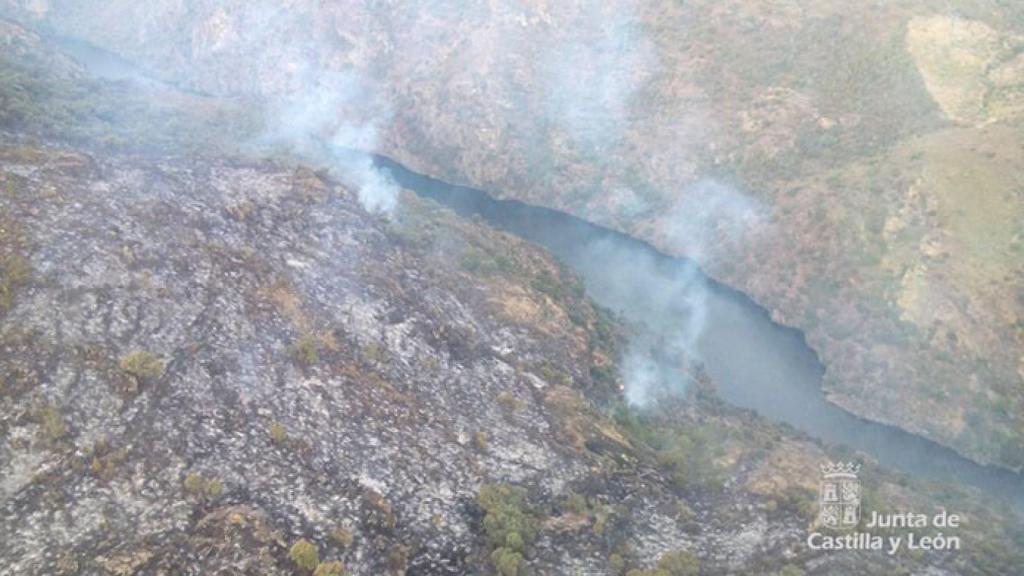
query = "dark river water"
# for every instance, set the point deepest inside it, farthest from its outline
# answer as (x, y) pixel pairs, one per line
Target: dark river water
(754, 362)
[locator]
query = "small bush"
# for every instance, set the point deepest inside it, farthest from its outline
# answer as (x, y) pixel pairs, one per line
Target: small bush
(507, 519)
(576, 503)
(798, 500)
(511, 527)
(213, 488)
(304, 554)
(342, 536)
(790, 570)
(106, 460)
(67, 564)
(142, 365)
(278, 433)
(51, 422)
(305, 352)
(686, 454)
(398, 559)
(375, 353)
(480, 440)
(510, 403)
(553, 375)
(507, 562)
(335, 568)
(377, 512)
(679, 563)
(616, 564)
(206, 488)
(14, 273)
(601, 516)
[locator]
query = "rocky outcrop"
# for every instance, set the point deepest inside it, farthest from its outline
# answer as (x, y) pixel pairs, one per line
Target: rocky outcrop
(964, 64)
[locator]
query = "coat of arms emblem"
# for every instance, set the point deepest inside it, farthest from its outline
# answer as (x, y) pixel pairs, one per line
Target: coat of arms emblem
(840, 495)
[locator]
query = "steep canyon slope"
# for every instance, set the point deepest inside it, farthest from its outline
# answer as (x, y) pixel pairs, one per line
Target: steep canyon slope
(852, 167)
(215, 362)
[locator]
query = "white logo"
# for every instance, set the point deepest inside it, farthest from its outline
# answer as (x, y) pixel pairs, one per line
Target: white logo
(839, 495)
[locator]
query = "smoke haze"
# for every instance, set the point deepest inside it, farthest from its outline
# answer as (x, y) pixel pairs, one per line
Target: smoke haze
(337, 116)
(593, 67)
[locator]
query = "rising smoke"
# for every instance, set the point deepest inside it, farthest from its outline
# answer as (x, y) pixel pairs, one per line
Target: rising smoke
(322, 111)
(672, 302)
(335, 118)
(668, 300)
(709, 216)
(593, 66)
(668, 307)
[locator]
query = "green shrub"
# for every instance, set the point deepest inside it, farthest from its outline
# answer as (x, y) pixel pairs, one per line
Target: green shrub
(206, 488)
(507, 562)
(509, 402)
(686, 454)
(51, 422)
(798, 500)
(508, 522)
(576, 503)
(213, 488)
(335, 568)
(601, 516)
(278, 433)
(606, 376)
(305, 352)
(106, 460)
(378, 514)
(398, 559)
(480, 440)
(375, 353)
(790, 570)
(142, 365)
(616, 564)
(689, 458)
(342, 536)
(552, 375)
(14, 273)
(510, 526)
(304, 554)
(679, 563)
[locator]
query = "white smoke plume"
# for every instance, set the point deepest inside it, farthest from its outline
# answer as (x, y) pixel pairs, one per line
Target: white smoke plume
(667, 299)
(594, 70)
(708, 216)
(335, 117)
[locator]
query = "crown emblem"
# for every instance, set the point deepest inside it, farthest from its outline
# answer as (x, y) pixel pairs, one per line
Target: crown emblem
(835, 469)
(839, 495)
